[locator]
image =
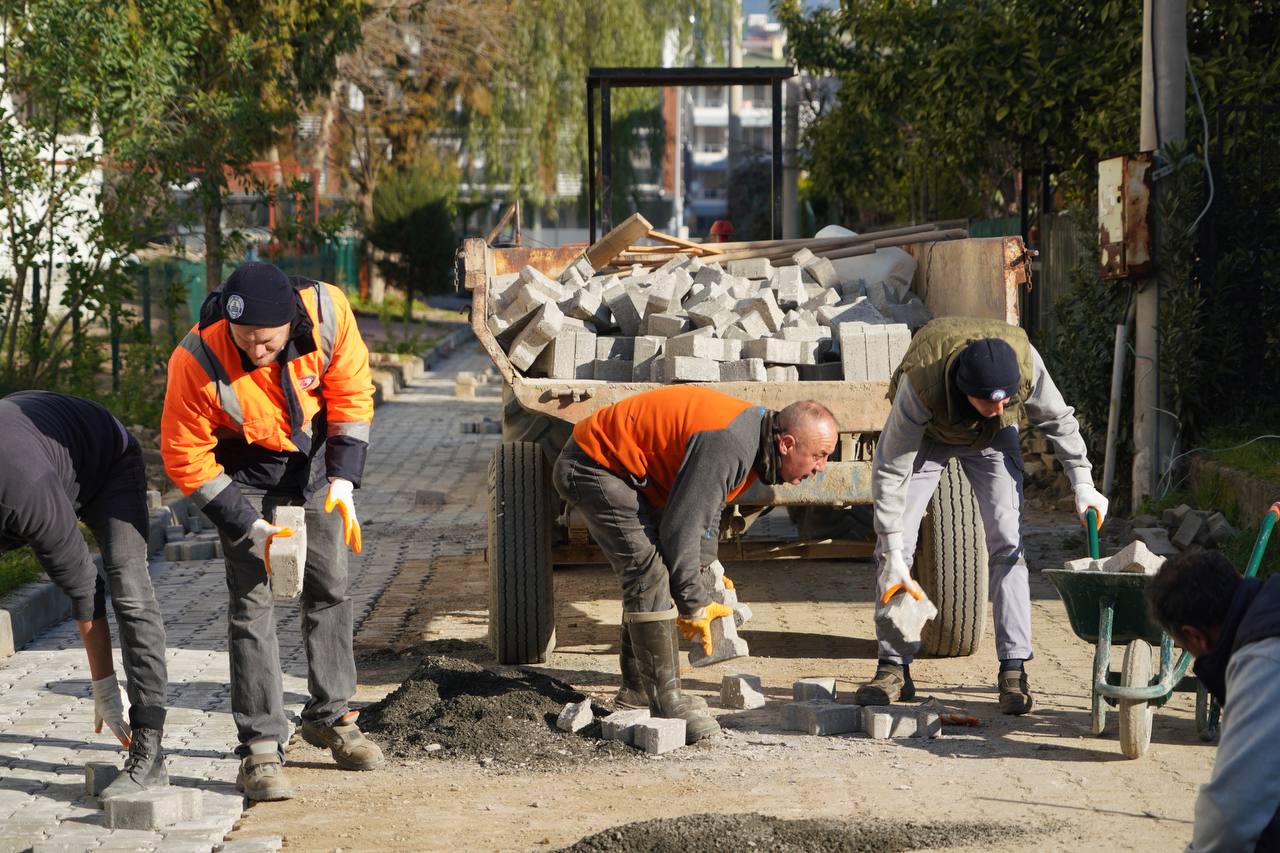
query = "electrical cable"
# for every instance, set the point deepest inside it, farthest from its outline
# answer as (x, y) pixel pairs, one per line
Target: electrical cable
(1217, 450)
(1208, 169)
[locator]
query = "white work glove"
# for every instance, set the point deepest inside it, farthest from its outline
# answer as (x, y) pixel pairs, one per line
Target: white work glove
(108, 708)
(894, 573)
(261, 534)
(1087, 496)
(340, 496)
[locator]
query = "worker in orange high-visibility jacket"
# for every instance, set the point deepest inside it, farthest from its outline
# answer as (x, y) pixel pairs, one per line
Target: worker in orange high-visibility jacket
(275, 371)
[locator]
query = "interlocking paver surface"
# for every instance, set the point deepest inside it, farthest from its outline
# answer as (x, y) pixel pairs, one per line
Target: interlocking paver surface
(46, 711)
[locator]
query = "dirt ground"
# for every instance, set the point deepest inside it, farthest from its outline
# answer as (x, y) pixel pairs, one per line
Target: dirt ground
(1041, 777)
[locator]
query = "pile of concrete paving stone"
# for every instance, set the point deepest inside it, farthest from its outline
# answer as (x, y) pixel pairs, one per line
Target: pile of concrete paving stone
(692, 321)
(1153, 539)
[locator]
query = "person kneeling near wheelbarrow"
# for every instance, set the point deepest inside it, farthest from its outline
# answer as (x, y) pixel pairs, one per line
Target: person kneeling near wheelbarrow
(960, 392)
(1231, 625)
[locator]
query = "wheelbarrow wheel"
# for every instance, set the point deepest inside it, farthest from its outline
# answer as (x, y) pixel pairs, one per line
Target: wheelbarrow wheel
(1136, 715)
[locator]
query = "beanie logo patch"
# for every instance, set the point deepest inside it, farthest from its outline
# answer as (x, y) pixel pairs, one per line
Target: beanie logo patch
(235, 306)
(998, 395)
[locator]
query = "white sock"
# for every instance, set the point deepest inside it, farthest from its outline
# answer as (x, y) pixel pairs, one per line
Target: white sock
(263, 747)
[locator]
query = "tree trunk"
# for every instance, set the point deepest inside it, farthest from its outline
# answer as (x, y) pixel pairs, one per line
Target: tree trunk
(212, 197)
(320, 156)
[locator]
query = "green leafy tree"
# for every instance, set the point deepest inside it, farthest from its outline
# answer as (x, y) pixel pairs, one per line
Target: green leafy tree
(85, 94)
(254, 64)
(414, 217)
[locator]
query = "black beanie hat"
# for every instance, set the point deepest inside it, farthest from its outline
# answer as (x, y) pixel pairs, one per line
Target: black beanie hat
(987, 369)
(258, 294)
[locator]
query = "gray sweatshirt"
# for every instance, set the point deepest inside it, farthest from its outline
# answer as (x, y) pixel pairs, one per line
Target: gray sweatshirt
(1243, 793)
(904, 431)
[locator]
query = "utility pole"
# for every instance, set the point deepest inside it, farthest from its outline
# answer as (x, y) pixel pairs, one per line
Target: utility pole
(1164, 106)
(791, 163)
(735, 145)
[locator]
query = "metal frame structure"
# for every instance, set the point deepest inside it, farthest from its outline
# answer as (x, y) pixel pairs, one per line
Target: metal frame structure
(607, 79)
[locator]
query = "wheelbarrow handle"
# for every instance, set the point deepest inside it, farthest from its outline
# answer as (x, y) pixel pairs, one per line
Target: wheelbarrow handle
(1260, 544)
(1091, 526)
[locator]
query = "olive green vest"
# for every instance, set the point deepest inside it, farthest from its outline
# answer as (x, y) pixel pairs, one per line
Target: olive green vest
(927, 365)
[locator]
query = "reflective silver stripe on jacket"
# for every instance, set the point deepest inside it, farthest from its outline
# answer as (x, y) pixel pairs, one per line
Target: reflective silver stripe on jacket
(328, 322)
(210, 490)
(217, 374)
(356, 429)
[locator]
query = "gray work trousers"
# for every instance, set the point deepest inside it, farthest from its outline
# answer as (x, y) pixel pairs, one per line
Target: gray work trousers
(117, 516)
(622, 523)
(257, 690)
(995, 474)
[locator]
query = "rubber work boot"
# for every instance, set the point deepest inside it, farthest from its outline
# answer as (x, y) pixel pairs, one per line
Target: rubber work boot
(351, 750)
(631, 694)
(1015, 696)
(657, 650)
(891, 683)
(144, 767)
(262, 778)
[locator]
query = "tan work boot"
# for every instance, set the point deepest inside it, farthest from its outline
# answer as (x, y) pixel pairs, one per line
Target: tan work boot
(631, 694)
(350, 748)
(1015, 694)
(262, 778)
(891, 683)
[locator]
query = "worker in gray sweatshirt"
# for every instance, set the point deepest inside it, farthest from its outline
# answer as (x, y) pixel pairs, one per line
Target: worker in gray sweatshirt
(68, 460)
(962, 389)
(1232, 626)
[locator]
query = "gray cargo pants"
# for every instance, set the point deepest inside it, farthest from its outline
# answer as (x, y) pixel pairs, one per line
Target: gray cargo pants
(622, 523)
(995, 474)
(257, 690)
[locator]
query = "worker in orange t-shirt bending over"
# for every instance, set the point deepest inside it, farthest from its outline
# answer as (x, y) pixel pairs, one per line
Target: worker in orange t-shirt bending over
(274, 373)
(651, 475)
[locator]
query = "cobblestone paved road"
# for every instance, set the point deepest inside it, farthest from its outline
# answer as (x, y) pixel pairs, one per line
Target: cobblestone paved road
(46, 713)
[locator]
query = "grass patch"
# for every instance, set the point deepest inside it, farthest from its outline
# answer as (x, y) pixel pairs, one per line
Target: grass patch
(17, 567)
(1243, 449)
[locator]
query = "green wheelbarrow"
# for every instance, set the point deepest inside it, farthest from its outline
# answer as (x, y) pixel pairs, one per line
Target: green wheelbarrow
(1108, 609)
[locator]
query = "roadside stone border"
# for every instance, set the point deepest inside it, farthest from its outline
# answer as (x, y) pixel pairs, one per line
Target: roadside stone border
(32, 608)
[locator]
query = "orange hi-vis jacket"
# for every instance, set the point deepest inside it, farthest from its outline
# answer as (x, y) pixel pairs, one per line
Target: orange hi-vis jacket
(228, 424)
(688, 450)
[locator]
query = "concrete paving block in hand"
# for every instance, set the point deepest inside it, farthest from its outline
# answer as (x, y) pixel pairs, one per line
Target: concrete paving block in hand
(886, 721)
(742, 692)
(288, 553)
(831, 719)
(810, 689)
(153, 809)
(743, 370)
(725, 644)
(97, 776)
(621, 725)
(677, 368)
(658, 735)
(1134, 557)
(575, 716)
(1157, 540)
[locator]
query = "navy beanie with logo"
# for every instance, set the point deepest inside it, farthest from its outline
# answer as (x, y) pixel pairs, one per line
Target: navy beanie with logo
(258, 294)
(987, 369)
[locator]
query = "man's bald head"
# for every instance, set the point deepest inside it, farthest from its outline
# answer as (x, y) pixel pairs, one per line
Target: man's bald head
(807, 435)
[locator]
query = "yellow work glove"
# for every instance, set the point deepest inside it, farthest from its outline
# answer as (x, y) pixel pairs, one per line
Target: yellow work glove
(260, 536)
(699, 624)
(728, 584)
(340, 495)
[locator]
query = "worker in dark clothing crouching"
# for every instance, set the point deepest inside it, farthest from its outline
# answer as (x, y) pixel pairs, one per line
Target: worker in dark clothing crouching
(68, 460)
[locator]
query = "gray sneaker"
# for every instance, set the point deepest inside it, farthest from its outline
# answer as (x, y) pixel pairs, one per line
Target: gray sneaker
(262, 778)
(351, 750)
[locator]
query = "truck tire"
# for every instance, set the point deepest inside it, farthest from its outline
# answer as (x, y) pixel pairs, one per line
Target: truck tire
(521, 604)
(951, 566)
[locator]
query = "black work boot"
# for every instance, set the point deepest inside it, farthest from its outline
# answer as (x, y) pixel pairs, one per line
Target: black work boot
(631, 694)
(1015, 695)
(657, 650)
(144, 767)
(891, 683)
